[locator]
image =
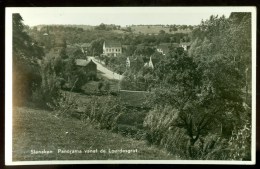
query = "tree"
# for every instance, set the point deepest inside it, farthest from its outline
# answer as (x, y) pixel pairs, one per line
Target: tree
(229, 38)
(145, 51)
(26, 56)
(205, 94)
(129, 29)
(161, 32)
(174, 28)
(97, 46)
(49, 90)
(75, 76)
(78, 54)
(183, 27)
(63, 53)
(221, 49)
(129, 51)
(102, 26)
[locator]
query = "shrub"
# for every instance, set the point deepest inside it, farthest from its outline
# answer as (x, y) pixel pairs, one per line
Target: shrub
(176, 141)
(162, 130)
(65, 105)
(82, 77)
(131, 131)
(104, 85)
(240, 143)
(214, 147)
(158, 121)
(107, 86)
(210, 147)
(133, 117)
(26, 79)
(103, 111)
(49, 90)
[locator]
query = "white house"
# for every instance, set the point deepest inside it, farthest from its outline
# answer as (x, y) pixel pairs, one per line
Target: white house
(112, 48)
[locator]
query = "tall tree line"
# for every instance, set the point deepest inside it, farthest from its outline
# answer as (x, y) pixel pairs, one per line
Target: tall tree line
(209, 89)
(26, 54)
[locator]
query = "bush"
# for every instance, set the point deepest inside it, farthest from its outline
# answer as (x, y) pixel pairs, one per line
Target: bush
(26, 79)
(176, 141)
(133, 118)
(240, 144)
(210, 147)
(158, 121)
(103, 111)
(214, 147)
(49, 90)
(131, 131)
(163, 131)
(66, 105)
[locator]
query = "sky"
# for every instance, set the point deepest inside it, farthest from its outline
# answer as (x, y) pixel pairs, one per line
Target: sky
(121, 15)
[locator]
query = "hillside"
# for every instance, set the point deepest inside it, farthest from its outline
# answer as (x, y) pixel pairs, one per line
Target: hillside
(84, 27)
(155, 29)
(38, 130)
(137, 29)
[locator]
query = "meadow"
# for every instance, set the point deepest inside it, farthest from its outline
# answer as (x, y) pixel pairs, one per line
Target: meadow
(154, 29)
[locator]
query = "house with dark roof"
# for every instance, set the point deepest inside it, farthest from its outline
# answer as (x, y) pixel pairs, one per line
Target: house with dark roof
(112, 48)
(87, 65)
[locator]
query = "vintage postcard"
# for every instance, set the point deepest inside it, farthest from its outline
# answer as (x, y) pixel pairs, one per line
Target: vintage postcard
(130, 85)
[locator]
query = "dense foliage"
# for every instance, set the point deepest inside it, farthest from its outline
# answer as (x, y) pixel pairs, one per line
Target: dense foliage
(103, 112)
(74, 35)
(26, 54)
(208, 88)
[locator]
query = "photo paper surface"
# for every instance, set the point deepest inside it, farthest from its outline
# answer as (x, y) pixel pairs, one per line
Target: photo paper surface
(130, 85)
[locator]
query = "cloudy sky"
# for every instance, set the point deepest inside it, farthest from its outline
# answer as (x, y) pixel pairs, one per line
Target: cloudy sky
(121, 15)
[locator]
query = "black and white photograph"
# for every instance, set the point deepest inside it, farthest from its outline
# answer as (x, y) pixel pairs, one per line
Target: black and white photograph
(130, 85)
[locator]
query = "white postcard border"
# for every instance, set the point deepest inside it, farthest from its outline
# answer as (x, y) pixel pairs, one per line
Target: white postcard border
(8, 86)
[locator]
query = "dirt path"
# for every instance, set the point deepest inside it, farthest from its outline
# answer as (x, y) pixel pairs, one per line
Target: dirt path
(106, 72)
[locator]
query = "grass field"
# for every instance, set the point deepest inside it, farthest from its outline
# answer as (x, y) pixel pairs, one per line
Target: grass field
(38, 130)
(153, 29)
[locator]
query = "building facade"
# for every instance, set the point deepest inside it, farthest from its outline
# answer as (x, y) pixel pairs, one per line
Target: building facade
(112, 48)
(88, 66)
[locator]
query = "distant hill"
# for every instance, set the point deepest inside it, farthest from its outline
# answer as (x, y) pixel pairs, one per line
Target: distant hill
(136, 29)
(155, 29)
(85, 27)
